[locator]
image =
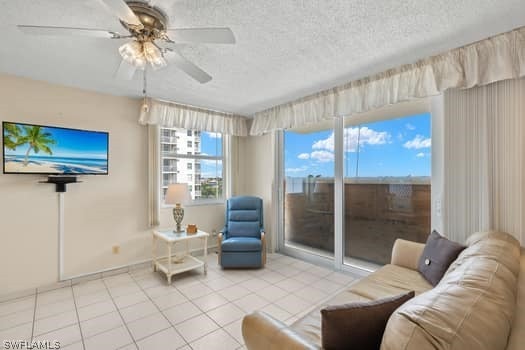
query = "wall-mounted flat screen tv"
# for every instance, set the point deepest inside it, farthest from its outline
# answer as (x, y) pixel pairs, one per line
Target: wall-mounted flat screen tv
(38, 149)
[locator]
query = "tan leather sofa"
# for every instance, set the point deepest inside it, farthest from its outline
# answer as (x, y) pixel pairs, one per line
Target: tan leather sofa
(479, 303)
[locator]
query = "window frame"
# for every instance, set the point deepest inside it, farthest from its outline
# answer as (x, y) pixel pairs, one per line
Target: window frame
(194, 156)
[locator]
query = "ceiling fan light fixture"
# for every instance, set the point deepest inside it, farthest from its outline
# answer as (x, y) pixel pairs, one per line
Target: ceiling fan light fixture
(132, 52)
(153, 55)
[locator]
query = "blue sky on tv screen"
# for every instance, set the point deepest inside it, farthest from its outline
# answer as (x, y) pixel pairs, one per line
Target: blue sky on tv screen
(396, 148)
(70, 144)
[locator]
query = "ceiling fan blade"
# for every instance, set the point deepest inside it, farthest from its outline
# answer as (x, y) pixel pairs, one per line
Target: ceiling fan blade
(188, 67)
(66, 31)
(202, 35)
(125, 71)
(122, 11)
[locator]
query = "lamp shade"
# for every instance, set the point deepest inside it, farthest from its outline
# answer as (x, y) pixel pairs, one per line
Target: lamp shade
(177, 194)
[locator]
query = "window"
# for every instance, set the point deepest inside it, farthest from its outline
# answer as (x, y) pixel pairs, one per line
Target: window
(202, 170)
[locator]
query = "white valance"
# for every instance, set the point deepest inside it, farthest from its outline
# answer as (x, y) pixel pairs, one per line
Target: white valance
(175, 115)
(484, 62)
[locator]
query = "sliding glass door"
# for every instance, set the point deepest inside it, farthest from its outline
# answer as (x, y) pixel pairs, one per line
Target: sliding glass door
(308, 187)
(386, 186)
(379, 171)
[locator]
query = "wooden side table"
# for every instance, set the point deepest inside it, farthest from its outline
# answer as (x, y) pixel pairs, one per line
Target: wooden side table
(170, 265)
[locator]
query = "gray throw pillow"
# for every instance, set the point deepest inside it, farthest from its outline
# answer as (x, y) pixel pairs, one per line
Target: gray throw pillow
(358, 325)
(438, 254)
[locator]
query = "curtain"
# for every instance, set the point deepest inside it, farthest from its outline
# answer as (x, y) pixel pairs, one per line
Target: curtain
(193, 118)
(153, 175)
(484, 62)
(484, 175)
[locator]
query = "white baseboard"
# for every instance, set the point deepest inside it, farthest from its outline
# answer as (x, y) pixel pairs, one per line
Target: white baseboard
(72, 280)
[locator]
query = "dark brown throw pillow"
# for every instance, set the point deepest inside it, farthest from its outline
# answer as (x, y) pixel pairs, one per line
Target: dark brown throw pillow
(438, 254)
(358, 325)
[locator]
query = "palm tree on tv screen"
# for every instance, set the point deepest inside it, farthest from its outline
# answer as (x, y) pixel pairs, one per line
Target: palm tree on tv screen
(11, 136)
(37, 140)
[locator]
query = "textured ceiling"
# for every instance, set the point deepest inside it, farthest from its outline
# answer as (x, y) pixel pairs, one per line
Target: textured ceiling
(285, 49)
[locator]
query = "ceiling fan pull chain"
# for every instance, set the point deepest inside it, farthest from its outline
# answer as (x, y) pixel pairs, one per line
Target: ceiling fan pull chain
(145, 106)
(144, 83)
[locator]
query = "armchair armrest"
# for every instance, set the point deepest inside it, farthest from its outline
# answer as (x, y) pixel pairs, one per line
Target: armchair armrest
(262, 332)
(406, 253)
(220, 237)
(263, 242)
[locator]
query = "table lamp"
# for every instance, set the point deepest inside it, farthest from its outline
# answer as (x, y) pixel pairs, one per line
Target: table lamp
(178, 194)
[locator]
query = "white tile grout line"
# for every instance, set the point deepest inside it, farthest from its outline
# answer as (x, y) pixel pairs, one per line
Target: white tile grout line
(158, 308)
(78, 318)
(167, 319)
(34, 317)
(118, 310)
(222, 275)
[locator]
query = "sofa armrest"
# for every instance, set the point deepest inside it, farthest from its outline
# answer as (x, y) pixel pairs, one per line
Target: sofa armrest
(406, 253)
(262, 332)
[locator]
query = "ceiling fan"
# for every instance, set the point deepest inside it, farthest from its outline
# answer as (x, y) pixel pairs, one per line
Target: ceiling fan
(151, 41)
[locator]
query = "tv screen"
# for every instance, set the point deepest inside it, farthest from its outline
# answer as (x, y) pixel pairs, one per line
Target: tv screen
(37, 149)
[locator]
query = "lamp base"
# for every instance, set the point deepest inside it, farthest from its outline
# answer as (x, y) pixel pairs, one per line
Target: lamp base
(178, 215)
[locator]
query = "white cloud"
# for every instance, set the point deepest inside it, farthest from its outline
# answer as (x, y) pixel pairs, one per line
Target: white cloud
(420, 155)
(296, 170)
(304, 156)
(410, 126)
(351, 135)
(214, 135)
(327, 143)
(322, 156)
(418, 142)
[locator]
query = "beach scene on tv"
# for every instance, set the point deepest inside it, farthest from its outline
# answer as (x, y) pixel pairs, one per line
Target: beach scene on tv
(50, 150)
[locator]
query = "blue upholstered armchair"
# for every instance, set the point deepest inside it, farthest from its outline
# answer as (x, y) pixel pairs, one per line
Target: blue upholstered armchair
(241, 242)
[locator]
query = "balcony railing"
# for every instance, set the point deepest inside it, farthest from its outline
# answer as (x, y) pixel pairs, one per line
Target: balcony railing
(168, 139)
(375, 215)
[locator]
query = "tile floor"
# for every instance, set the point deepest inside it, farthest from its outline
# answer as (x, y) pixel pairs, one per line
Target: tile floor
(138, 310)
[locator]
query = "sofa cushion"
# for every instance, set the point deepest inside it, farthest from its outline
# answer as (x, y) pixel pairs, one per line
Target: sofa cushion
(309, 326)
(517, 333)
(472, 307)
(358, 325)
(388, 281)
(241, 244)
(438, 254)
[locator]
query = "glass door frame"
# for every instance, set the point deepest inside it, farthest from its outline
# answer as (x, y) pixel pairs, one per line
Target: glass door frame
(337, 262)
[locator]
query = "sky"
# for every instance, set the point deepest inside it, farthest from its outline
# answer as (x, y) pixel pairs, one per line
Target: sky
(396, 147)
(211, 144)
(71, 144)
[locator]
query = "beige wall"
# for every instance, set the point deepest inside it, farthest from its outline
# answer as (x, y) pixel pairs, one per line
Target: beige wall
(255, 175)
(100, 212)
